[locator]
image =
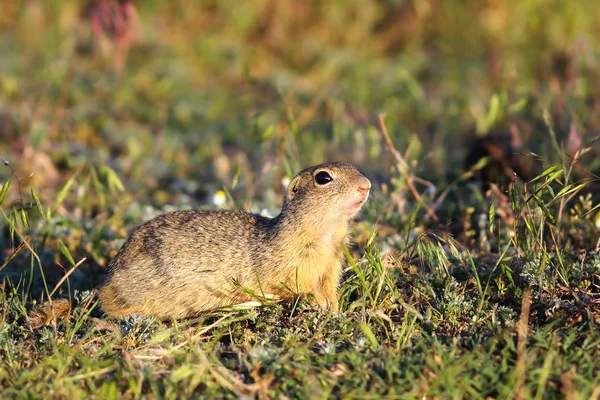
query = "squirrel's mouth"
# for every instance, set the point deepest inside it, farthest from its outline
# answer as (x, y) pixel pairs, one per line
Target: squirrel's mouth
(357, 204)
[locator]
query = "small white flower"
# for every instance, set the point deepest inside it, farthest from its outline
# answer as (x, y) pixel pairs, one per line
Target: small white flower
(219, 198)
(285, 181)
(266, 213)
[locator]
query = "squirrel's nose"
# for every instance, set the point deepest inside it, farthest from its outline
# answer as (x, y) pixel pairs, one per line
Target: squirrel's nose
(365, 186)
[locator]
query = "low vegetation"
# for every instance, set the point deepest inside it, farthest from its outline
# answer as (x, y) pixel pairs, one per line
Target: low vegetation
(474, 270)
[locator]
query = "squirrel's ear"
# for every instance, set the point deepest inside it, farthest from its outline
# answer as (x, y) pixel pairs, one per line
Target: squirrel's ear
(293, 188)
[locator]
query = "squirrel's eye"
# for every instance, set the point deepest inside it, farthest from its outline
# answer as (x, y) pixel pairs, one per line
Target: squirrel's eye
(323, 178)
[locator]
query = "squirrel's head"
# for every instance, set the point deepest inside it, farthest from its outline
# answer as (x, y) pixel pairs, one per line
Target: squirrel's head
(330, 191)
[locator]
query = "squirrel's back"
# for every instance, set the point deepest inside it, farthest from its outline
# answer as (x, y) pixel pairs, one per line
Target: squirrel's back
(186, 259)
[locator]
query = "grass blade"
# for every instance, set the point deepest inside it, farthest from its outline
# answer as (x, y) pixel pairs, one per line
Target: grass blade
(5, 187)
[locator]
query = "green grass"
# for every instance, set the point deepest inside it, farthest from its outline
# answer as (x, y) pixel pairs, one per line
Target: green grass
(453, 288)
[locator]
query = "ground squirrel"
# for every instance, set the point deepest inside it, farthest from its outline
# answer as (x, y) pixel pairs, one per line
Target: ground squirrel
(185, 263)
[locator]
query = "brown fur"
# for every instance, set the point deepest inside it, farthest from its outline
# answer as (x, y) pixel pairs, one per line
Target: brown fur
(44, 314)
(184, 263)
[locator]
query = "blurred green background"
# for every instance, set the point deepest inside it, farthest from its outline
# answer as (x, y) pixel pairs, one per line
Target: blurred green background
(197, 97)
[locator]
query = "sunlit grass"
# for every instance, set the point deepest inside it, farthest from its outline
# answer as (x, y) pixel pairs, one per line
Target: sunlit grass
(218, 104)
